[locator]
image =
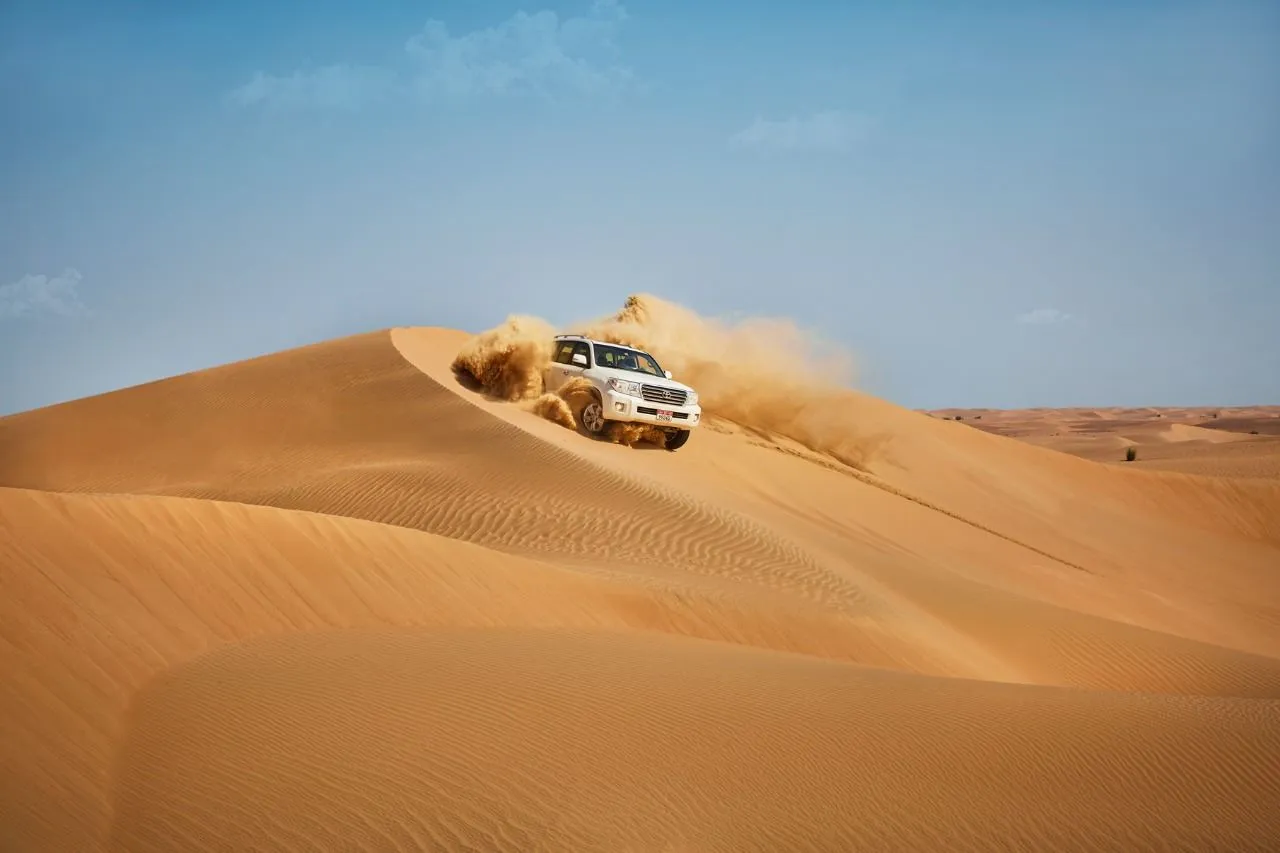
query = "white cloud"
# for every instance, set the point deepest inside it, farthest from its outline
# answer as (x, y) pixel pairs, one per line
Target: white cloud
(32, 295)
(527, 54)
(831, 131)
(1043, 317)
(333, 86)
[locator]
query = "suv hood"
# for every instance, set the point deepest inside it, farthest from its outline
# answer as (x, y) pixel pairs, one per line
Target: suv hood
(644, 378)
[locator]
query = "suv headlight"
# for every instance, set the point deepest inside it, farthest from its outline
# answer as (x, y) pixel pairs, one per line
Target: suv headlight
(622, 386)
(693, 399)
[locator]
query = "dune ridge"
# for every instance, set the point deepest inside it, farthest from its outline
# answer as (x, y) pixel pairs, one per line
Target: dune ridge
(341, 597)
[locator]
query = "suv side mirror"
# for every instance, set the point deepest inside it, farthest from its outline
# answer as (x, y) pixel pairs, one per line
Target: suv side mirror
(580, 359)
(668, 372)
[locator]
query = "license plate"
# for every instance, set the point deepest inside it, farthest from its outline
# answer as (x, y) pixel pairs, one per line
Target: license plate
(664, 415)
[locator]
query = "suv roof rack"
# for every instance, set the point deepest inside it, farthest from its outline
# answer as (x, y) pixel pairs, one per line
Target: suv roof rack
(574, 337)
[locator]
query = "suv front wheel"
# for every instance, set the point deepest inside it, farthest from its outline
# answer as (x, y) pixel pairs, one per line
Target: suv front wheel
(592, 417)
(675, 440)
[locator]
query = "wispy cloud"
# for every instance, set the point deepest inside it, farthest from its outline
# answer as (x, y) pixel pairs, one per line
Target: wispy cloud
(831, 131)
(331, 87)
(1043, 317)
(527, 54)
(33, 295)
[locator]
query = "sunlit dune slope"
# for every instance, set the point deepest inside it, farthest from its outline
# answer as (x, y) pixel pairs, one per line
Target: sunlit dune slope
(350, 427)
(836, 624)
(992, 509)
(535, 740)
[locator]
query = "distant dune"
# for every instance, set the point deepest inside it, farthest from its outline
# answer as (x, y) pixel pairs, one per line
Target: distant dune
(1218, 442)
(345, 597)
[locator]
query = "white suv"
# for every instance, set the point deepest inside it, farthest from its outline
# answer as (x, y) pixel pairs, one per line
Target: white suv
(629, 386)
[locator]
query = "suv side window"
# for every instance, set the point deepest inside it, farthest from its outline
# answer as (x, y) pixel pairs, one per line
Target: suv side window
(583, 348)
(564, 352)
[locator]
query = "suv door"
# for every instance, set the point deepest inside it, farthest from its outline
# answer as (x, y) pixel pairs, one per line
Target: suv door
(578, 361)
(560, 360)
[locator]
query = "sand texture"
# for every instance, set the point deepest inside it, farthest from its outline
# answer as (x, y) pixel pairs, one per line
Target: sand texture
(380, 594)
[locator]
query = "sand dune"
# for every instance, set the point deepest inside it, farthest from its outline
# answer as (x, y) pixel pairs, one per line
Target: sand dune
(1236, 443)
(101, 593)
(334, 598)
(531, 740)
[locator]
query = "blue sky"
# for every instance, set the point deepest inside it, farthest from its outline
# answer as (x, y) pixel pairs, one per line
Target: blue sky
(992, 204)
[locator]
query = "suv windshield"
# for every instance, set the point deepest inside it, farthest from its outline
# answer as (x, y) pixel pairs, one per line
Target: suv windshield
(620, 358)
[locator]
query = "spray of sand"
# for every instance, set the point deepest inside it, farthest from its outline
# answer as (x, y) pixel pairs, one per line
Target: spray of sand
(565, 406)
(507, 361)
(765, 375)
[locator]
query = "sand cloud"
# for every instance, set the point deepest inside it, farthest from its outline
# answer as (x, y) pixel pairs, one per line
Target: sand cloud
(538, 54)
(33, 295)
(764, 374)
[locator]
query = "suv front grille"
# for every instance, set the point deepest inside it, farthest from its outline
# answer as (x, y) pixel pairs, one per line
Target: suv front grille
(658, 394)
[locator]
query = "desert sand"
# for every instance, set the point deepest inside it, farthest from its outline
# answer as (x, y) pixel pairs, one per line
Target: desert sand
(378, 593)
(1217, 441)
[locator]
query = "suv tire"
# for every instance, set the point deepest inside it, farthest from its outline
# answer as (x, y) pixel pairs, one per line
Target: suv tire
(592, 417)
(676, 440)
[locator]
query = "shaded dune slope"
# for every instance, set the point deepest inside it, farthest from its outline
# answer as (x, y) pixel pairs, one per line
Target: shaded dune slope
(539, 740)
(555, 643)
(127, 587)
(100, 593)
